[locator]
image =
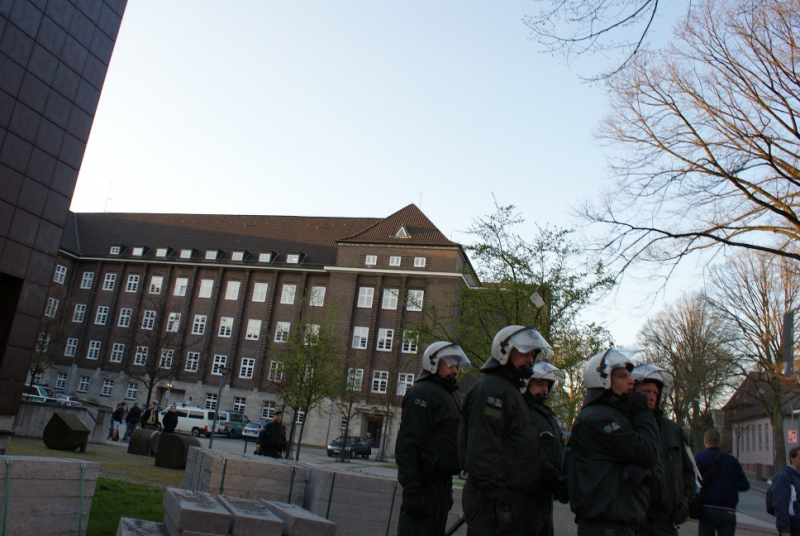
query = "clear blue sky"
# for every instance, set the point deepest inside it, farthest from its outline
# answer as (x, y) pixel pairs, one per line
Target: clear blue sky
(353, 108)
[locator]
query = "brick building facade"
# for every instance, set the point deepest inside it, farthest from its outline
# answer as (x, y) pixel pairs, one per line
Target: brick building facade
(233, 287)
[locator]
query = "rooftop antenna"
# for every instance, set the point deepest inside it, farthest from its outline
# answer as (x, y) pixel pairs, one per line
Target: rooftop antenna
(108, 197)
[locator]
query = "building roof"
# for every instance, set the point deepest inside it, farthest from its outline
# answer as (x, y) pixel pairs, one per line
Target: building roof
(313, 238)
(745, 403)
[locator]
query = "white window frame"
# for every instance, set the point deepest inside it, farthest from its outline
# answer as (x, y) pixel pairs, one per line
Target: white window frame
(71, 348)
(232, 290)
(288, 293)
(133, 283)
(219, 362)
(366, 296)
(117, 351)
(162, 252)
(186, 253)
(419, 262)
(360, 337)
(265, 257)
(311, 335)
(206, 288)
(101, 316)
(395, 260)
(61, 380)
(109, 281)
(192, 361)
(108, 387)
(239, 404)
(292, 258)
(415, 300)
(405, 380)
(125, 316)
(390, 296)
(371, 260)
(137, 251)
(211, 401)
(237, 256)
(83, 384)
(181, 284)
(300, 416)
(380, 381)
(275, 371)
(115, 250)
(167, 355)
(253, 329)
(211, 254)
(246, 368)
(282, 331)
(268, 409)
(225, 327)
(355, 377)
(52, 308)
(173, 322)
(410, 342)
(199, 325)
(260, 292)
(87, 280)
(80, 313)
(61, 274)
(156, 283)
(317, 298)
(142, 353)
(385, 339)
(148, 320)
(130, 393)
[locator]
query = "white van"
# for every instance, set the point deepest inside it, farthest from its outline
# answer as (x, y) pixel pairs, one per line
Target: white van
(193, 421)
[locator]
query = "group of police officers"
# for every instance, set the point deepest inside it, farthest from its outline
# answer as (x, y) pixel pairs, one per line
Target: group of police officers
(625, 470)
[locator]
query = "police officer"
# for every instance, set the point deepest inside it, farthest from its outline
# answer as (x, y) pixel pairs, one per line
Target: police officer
(612, 451)
(551, 449)
(426, 453)
(498, 443)
(669, 494)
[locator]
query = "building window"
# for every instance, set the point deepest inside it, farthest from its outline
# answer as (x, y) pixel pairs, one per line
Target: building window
(343, 421)
(166, 358)
(264, 257)
(116, 352)
(360, 336)
(125, 318)
(300, 416)
(71, 347)
(253, 329)
(239, 403)
(61, 380)
(115, 250)
(317, 297)
(52, 307)
(275, 371)
(354, 379)
(141, 356)
(390, 298)
(186, 253)
(225, 326)
(192, 360)
(156, 282)
(232, 292)
(110, 279)
(80, 312)
(173, 322)
(766, 436)
(268, 410)
(287, 295)
(83, 384)
(760, 439)
(414, 301)
(42, 343)
(394, 261)
(161, 252)
(199, 326)
(419, 262)
(219, 362)
(149, 320)
(137, 252)
(206, 286)
(237, 256)
(365, 295)
(108, 386)
(130, 394)
(247, 367)
(371, 260)
(60, 275)
(87, 280)
(410, 341)
(211, 401)
(380, 381)
(101, 316)
(292, 259)
(260, 292)
(385, 337)
(180, 286)
(282, 331)
(211, 254)
(133, 283)
(311, 335)
(404, 382)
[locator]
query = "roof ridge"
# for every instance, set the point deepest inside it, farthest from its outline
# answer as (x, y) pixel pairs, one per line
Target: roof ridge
(227, 215)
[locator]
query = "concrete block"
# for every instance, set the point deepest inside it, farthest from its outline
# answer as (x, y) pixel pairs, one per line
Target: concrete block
(139, 527)
(140, 442)
(173, 450)
(300, 522)
(65, 431)
(251, 517)
(195, 511)
(22, 525)
(40, 468)
(172, 530)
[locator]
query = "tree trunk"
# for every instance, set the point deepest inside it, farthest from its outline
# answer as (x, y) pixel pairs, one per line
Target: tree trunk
(777, 439)
(291, 433)
(385, 438)
(300, 437)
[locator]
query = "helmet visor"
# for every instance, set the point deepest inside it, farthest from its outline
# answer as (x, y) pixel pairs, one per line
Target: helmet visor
(528, 340)
(642, 373)
(454, 355)
(546, 371)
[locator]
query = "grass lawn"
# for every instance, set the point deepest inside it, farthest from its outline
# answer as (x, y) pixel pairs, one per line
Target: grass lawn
(128, 486)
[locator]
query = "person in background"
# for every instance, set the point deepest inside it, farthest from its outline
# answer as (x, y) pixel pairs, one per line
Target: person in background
(132, 420)
(116, 419)
(723, 479)
(170, 420)
(150, 420)
(785, 491)
(272, 438)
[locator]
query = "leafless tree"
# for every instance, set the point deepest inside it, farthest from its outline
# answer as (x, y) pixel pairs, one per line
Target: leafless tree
(691, 341)
(706, 140)
(51, 340)
(751, 292)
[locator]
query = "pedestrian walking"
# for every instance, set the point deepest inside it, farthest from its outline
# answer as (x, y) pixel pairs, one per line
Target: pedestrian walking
(785, 495)
(132, 420)
(116, 419)
(722, 480)
(426, 450)
(670, 492)
(552, 453)
(150, 420)
(170, 420)
(498, 443)
(612, 451)
(272, 438)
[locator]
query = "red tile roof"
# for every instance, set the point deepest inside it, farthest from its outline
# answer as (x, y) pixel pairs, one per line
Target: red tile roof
(418, 226)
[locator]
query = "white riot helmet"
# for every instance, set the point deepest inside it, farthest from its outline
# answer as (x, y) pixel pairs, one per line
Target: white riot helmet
(663, 378)
(519, 338)
(443, 351)
(597, 374)
(546, 371)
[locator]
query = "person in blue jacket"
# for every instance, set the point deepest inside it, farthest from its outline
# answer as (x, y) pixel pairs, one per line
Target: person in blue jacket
(785, 489)
(723, 479)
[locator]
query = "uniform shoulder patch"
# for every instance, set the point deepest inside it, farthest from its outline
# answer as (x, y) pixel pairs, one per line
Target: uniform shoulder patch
(421, 403)
(493, 401)
(493, 412)
(612, 427)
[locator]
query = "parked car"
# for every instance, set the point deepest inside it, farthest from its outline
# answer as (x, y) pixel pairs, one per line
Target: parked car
(68, 400)
(39, 393)
(231, 423)
(252, 429)
(193, 421)
(355, 447)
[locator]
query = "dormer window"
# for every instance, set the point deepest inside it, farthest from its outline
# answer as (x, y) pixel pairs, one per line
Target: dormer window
(115, 250)
(186, 253)
(371, 260)
(211, 254)
(162, 252)
(394, 261)
(265, 257)
(419, 262)
(137, 251)
(237, 256)
(402, 232)
(293, 259)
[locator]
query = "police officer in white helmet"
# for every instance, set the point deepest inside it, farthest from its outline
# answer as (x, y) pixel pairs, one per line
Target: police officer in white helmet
(426, 453)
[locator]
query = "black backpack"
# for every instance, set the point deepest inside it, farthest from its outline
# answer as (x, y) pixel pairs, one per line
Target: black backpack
(770, 508)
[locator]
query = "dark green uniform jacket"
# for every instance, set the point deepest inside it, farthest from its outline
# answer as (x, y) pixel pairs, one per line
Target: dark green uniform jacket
(676, 483)
(498, 443)
(426, 442)
(551, 445)
(607, 452)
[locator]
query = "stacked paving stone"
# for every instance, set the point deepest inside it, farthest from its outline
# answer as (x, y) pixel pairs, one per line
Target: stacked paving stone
(251, 517)
(247, 477)
(299, 521)
(45, 495)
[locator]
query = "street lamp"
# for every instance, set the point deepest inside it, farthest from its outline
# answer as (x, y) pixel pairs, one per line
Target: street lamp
(223, 371)
(169, 392)
(788, 341)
